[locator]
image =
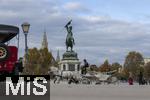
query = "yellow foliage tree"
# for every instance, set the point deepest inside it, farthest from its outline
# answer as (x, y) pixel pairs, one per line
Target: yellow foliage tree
(38, 62)
(105, 67)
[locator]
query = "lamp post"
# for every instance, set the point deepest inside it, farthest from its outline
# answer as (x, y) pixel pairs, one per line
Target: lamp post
(25, 28)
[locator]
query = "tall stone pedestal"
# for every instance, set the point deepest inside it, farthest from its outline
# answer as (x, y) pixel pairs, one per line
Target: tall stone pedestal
(70, 62)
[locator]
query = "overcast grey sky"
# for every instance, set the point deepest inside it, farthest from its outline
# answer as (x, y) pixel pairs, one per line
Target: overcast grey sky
(103, 29)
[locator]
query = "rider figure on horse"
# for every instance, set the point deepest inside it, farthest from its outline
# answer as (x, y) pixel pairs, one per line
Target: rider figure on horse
(69, 39)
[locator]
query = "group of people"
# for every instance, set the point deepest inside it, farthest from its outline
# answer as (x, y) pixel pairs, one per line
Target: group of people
(141, 79)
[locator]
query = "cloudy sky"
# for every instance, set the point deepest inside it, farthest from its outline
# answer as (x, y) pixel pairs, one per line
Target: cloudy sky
(103, 29)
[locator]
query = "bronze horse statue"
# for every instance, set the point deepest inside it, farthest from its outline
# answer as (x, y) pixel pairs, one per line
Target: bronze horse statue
(69, 39)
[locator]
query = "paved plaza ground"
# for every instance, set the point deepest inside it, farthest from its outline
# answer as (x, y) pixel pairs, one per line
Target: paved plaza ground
(121, 91)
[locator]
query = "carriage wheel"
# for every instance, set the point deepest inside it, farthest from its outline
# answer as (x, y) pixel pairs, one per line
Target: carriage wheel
(3, 52)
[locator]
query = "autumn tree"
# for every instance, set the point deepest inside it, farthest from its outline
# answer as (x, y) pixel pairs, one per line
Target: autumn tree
(133, 61)
(45, 60)
(105, 67)
(115, 66)
(147, 70)
(124, 74)
(93, 68)
(32, 61)
(38, 62)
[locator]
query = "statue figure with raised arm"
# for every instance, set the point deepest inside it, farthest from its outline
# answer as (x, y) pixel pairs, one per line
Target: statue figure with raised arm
(69, 39)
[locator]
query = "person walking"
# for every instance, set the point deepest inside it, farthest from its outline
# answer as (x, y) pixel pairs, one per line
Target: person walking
(130, 80)
(140, 78)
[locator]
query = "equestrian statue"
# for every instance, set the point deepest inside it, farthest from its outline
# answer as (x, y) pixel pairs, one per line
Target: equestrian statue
(69, 39)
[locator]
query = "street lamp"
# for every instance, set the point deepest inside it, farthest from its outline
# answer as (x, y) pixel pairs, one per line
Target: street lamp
(25, 28)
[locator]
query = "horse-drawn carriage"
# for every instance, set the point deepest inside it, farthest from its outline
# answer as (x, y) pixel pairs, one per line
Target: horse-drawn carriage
(9, 63)
(89, 78)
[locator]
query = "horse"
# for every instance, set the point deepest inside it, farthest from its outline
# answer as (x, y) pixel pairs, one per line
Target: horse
(69, 41)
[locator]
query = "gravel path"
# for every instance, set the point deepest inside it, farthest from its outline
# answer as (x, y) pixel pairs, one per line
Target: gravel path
(64, 91)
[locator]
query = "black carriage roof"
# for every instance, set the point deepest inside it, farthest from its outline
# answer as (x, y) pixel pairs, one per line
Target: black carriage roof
(7, 32)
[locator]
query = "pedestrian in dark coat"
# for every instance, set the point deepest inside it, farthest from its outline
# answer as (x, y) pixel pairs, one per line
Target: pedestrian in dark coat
(85, 66)
(140, 78)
